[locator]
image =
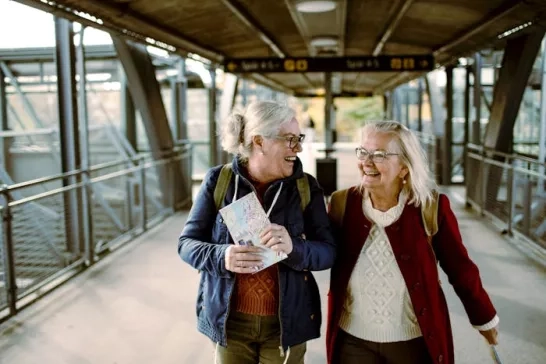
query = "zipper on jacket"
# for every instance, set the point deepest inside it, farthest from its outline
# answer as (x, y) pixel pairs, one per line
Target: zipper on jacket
(280, 311)
(228, 309)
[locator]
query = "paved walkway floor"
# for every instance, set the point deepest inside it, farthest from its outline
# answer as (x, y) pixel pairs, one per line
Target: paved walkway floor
(137, 307)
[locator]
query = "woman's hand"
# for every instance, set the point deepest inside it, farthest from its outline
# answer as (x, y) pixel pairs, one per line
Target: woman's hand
(277, 238)
(490, 335)
(243, 259)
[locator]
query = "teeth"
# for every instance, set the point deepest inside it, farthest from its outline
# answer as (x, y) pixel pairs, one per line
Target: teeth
(290, 159)
(371, 173)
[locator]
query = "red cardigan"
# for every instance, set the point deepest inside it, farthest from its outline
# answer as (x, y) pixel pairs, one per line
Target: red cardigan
(418, 266)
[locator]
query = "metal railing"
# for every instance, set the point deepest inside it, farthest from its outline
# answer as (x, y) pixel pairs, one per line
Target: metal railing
(509, 188)
(39, 251)
(429, 142)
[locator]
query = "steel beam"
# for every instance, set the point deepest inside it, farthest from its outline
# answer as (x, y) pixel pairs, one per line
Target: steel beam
(69, 132)
(391, 26)
(179, 89)
(519, 57)
(386, 106)
(435, 102)
(24, 100)
(146, 95)
(466, 134)
(243, 91)
(420, 105)
(397, 104)
(256, 28)
(47, 54)
(213, 124)
(407, 100)
(227, 100)
(328, 122)
(115, 24)
(87, 191)
(447, 152)
(4, 125)
(481, 25)
(542, 138)
(128, 112)
(476, 126)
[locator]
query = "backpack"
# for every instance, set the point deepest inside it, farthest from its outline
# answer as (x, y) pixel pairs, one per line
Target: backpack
(429, 214)
(225, 178)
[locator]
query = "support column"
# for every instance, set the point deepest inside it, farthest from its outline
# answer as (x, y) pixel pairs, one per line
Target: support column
(227, 100)
(397, 104)
(519, 57)
(243, 92)
(69, 132)
(447, 155)
(542, 138)
(407, 98)
(146, 94)
(4, 125)
(438, 118)
(328, 122)
(386, 104)
(179, 101)
(128, 112)
(86, 192)
(420, 105)
(466, 138)
(476, 125)
(435, 102)
(27, 106)
(213, 127)
(326, 168)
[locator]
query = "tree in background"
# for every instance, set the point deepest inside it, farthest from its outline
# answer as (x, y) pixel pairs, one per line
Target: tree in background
(351, 114)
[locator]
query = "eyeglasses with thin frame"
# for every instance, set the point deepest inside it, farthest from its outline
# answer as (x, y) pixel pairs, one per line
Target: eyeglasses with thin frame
(293, 140)
(376, 156)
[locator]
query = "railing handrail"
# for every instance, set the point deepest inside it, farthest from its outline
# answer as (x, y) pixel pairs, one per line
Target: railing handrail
(175, 153)
(41, 131)
(511, 156)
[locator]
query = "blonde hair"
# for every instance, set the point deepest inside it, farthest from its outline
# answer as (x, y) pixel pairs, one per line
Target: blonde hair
(259, 118)
(420, 184)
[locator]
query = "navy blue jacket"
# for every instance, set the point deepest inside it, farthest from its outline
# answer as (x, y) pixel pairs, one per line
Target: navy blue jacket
(205, 239)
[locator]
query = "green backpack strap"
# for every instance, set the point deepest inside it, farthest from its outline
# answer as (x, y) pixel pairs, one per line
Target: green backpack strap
(224, 179)
(222, 185)
(304, 191)
(338, 202)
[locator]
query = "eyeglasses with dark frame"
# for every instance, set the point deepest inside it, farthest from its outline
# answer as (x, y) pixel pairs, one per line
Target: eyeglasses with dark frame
(293, 140)
(376, 156)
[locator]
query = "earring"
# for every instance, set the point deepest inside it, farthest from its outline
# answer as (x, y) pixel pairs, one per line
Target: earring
(404, 181)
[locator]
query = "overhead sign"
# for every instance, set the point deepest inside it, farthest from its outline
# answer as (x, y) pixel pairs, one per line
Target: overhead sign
(330, 64)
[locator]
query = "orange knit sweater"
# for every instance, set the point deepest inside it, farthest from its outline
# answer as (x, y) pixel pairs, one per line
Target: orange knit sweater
(258, 294)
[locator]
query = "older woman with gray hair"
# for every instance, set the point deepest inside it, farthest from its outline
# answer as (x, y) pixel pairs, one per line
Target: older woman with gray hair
(386, 304)
(266, 317)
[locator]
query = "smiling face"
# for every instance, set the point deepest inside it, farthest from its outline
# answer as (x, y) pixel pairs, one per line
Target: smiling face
(277, 160)
(381, 176)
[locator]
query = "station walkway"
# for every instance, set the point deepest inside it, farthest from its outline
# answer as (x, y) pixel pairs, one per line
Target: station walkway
(137, 307)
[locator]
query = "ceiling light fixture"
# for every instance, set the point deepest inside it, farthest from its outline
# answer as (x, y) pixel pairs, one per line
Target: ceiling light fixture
(315, 6)
(324, 42)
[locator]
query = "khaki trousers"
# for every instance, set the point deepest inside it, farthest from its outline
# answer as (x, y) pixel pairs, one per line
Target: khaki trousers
(255, 339)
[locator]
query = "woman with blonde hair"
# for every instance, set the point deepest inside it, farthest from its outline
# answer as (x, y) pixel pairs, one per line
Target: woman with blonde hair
(385, 302)
(266, 316)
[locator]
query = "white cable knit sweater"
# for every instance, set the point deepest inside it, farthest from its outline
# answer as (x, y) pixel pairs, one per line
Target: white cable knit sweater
(378, 306)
